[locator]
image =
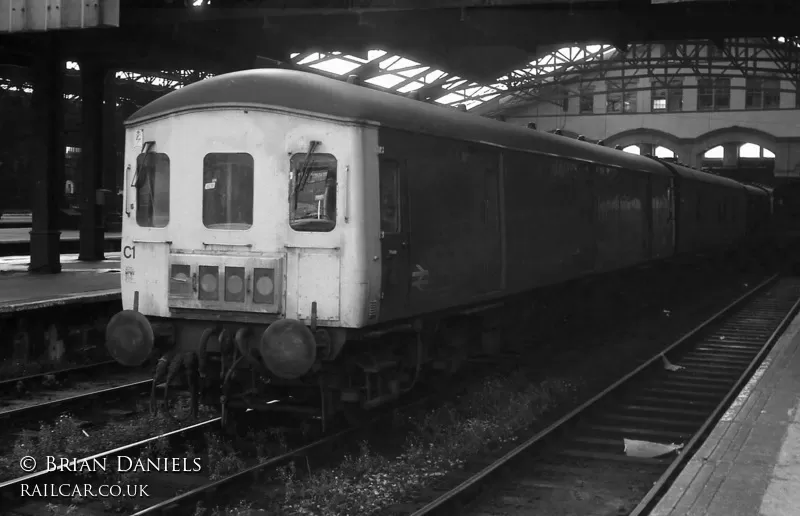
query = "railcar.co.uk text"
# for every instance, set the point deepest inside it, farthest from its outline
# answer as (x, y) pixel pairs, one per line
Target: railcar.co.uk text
(120, 464)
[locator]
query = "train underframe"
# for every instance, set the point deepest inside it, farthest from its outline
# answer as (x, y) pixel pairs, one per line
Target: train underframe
(353, 371)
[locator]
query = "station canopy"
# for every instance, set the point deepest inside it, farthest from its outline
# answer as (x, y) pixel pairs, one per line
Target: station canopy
(401, 75)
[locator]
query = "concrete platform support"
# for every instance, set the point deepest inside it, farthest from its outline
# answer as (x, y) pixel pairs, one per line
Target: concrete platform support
(92, 227)
(48, 160)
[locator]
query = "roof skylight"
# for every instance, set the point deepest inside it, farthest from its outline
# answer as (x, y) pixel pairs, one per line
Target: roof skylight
(446, 89)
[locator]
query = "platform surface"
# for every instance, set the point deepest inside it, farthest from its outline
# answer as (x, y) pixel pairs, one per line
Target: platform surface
(22, 235)
(15, 220)
(750, 463)
(78, 282)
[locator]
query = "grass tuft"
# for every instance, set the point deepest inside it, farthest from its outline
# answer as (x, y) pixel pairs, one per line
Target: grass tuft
(68, 438)
(441, 441)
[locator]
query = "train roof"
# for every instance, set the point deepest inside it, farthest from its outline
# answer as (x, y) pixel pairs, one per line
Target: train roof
(314, 94)
(699, 175)
(758, 187)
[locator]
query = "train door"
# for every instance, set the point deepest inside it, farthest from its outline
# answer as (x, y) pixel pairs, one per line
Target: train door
(675, 197)
(396, 275)
(492, 237)
(647, 205)
(662, 216)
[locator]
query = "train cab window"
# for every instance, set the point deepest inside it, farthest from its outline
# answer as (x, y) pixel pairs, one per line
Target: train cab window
(228, 191)
(390, 197)
(312, 185)
(152, 190)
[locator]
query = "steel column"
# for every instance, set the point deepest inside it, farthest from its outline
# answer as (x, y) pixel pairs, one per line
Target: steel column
(110, 139)
(92, 227)
(48, 160)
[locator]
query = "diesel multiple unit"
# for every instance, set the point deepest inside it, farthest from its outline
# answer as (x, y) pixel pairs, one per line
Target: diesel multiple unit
(288, 236)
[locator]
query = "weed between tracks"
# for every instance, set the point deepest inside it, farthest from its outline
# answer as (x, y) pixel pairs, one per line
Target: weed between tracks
(436, 443)
(68, 438)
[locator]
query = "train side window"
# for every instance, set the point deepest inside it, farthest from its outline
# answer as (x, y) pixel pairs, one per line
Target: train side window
(152, 190)
(312, 187)
(390, 196)
(228, 190)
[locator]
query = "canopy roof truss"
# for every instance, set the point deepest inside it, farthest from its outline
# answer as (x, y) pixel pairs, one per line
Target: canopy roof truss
(769, 58)
(773, 57)
(134, 87)
(401, 75)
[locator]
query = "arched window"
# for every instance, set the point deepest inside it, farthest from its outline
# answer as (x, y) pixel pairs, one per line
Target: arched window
(633, 149)
(751, 150)
(663, 152)
(717, 152)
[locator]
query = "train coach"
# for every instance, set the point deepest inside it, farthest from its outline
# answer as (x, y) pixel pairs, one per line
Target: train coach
(786, 218)
(286, 235)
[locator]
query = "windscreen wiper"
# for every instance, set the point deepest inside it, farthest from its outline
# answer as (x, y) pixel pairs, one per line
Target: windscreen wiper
(305, 168)
(146, 148)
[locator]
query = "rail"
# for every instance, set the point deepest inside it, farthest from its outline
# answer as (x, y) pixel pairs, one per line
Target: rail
(724, 351)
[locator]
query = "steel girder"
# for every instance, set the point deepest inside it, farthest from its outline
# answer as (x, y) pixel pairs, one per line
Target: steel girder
(128, 82)
(664, 61)
(768, 58)
(403, 76)
(396, 74)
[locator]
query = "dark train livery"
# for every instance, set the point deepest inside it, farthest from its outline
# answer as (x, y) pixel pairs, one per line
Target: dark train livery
(286, 234)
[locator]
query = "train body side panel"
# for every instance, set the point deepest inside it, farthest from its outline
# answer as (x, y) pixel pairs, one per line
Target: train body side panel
(453, 217)
(758, 216)
(484, 222)
(711, 217)
(622, 232)
(549, 228)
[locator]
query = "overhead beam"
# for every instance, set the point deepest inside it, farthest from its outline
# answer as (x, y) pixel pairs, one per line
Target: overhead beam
(46, 15)
(236, 9)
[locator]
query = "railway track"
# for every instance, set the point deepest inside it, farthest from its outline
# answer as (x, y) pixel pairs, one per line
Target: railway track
(583, 455)
(36, 410)
(33, 396)
(213, 493)
(12, 492)
(41, 380)
(190, 488)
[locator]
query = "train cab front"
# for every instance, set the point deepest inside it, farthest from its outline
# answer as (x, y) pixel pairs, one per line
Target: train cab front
(236, 256)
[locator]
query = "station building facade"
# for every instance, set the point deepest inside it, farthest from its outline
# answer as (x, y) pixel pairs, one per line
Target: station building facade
(734, 108)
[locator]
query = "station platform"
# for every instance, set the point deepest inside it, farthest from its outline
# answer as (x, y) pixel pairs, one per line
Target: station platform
(78, 282)
(750, 463)
(15, 220)
(15, 241)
